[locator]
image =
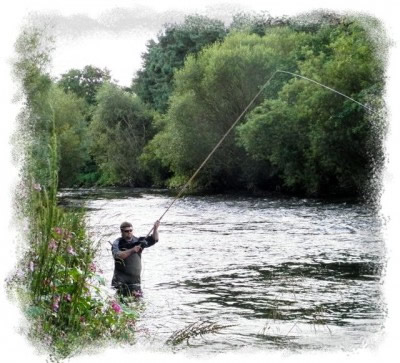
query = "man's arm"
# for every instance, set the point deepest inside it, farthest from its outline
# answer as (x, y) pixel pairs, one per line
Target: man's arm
(153, 239)
(117, 253)
(124, 254)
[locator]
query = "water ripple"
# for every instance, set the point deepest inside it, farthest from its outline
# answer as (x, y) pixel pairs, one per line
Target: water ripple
(286, 273)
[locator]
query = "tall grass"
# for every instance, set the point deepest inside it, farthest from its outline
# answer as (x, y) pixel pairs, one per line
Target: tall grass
(57, 281)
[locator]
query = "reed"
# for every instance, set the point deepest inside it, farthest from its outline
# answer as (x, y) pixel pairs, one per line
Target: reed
(196, 329)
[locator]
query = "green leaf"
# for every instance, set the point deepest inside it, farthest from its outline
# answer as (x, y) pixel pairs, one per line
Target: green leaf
(34, 311)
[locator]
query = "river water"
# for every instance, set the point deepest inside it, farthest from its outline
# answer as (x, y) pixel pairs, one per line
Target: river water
(279, 273)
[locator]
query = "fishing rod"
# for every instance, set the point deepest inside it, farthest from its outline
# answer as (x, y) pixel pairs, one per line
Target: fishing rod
(238, 119)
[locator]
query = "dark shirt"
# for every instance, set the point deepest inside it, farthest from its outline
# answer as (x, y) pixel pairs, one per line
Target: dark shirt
(127, 271)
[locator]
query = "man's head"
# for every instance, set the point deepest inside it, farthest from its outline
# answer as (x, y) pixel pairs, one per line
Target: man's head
(126, 230)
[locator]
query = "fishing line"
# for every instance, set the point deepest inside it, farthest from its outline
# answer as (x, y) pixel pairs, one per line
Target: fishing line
(238, 119)
(329, 88)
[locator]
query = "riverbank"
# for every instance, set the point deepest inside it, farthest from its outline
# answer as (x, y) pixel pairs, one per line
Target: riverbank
(81, 194)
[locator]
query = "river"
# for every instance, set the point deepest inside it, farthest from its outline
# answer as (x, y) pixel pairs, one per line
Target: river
(279, 273)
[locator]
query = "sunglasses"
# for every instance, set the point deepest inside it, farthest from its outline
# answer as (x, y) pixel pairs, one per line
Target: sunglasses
(127, 230)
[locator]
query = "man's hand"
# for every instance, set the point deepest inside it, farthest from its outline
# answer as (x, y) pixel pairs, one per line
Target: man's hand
(136, 249)
(155, 230)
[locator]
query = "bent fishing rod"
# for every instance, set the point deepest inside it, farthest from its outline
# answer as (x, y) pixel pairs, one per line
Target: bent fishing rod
(238, 119)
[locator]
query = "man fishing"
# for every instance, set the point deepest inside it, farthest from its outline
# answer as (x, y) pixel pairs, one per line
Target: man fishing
(127, 253)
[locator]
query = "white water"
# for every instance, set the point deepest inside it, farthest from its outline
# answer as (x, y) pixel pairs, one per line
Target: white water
(286, 273)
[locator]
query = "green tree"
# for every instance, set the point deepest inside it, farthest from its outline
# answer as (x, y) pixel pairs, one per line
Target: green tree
(85, 83)
(120, 128)
(72, 134)
(154, 83)
(212, 90)
(256, 23)
(319, 142)
(31, 142)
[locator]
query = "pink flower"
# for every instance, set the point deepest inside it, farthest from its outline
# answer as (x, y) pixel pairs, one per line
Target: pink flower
(58, 230)
(117, 308)
(56, 303)
(67, 297)
(37, 187)
(53, 245)
(92, 267)
(71, 251)
(31, 266)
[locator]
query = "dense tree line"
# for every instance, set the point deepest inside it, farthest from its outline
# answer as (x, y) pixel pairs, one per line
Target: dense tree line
(197, 78)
